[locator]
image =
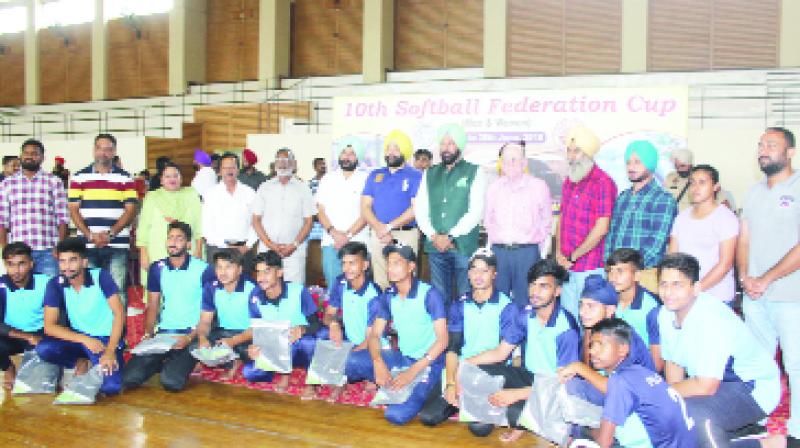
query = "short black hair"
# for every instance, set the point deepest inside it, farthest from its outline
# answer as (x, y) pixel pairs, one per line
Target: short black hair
(787, 134)
(229, 155)
(229, 255)
(423, 152)
(545, 267)
(7, 159)
(33, 142)
(317, 159)
(270, 258)
(183, 227)
(626, 255)
(16, 248)
(685, 263)
(162, 162)
(708, 169)
(72, 244)
(354, 248)
(169, 164)
(107, 137)
(614, 326)
(520, 143)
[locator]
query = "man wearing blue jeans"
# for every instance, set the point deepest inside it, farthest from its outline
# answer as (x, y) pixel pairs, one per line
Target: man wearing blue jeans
(33, 208)
(418, 314)
(726, 376)
(89, 301)
(449, 209)
(339, 208)
(102, 204)
(768, 258)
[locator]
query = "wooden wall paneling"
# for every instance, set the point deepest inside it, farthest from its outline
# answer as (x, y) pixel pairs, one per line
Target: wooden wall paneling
(65, 63)
(249, 35)
(138, 66)
(592, 36)
(350, 37)
(227, 127)
(684, 47)
(313, 39)
(419, 34)
(536, 37)
(464, 34)
(179, 150)
(154, 50)
(12, 69)
(745, 33)
(222, 42)
(232, 44)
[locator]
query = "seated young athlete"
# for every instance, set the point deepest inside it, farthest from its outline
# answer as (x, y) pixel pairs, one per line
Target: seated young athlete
(277, 300)
(354, 294)
(175, 294)
(640, 409)
(598, 302)
(21, 307)
(637, 306)
(475, 323)
(549, 338)
(225, 316)
(417, 312)
(88, 300)
(727, 378)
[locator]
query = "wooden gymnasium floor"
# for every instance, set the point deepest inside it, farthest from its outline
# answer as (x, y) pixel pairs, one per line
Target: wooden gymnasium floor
(212, 414)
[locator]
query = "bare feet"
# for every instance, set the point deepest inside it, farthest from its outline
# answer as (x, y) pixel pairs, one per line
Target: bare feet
(336, 391)
(511, 436)
(9, 376)
(309, 393)
(283, 382)
(231, 374)
(81, 366)
(773, 441)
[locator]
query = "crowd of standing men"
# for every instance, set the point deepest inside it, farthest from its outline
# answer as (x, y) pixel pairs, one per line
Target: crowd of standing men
(640, 284)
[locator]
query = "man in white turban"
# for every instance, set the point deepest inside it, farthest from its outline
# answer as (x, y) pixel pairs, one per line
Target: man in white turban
(677, 182)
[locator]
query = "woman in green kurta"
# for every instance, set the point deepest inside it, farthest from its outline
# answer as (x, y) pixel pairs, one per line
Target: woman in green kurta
(161, 207)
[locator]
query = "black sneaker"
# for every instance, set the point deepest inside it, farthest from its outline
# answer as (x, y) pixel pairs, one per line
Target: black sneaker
(751, 431)
(792, 442)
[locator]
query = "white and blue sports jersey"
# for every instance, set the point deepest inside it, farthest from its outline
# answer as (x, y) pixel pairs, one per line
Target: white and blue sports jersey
(714, 343)
(546, 347)
(647, 412)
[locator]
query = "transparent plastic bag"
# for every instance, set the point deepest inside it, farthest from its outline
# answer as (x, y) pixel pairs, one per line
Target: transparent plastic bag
(575, 409)
(36, 376)
(214, 356)
(272, 339)
(386, 396)
(476, 387)
(82, 389)
(542, 412)
(158, 344)
(327, 366)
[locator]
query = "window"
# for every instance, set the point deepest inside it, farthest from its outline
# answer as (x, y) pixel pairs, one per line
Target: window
(13, 19)
(63, 12)
(121, 8)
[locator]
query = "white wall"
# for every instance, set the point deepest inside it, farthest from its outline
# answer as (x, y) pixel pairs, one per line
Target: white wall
(733, 153)
(78, 153)
(305, 147)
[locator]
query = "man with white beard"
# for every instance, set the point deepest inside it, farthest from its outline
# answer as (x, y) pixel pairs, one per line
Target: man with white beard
(587, 200)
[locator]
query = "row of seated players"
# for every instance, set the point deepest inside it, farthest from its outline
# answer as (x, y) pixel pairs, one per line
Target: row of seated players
(717, 378)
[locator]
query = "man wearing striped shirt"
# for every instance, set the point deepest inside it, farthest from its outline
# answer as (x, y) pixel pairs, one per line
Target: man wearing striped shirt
(102, 204)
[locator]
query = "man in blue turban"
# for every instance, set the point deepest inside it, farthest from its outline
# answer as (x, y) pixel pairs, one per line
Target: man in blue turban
(643, 214)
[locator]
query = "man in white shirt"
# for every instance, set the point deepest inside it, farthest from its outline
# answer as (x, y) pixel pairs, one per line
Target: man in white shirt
(282, 216)
(226, 215)
(339, 207)
(205, 177)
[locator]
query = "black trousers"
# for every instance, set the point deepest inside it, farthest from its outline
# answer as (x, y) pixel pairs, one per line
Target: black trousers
(175, 367)
(11, 346)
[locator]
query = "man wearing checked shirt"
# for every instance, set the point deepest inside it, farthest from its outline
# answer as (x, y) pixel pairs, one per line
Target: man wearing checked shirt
(643, 214)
